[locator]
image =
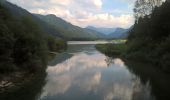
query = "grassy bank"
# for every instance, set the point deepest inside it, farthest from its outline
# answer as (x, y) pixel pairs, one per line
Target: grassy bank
(112, 50)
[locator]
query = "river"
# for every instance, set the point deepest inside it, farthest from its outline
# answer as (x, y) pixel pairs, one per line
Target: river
(83, 73)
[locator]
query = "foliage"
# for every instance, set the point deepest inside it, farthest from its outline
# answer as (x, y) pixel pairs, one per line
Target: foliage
(56, 44)
(24, 46)
(145, 7)
(113, 50)
(150, 38)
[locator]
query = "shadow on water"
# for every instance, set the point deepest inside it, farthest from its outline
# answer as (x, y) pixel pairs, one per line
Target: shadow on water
(28, 90)
(60, 58)
(87, 48)
(159, 81)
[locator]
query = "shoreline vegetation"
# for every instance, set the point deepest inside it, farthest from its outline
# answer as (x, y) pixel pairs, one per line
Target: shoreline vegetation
(112, 50)
(149, 39)
(120, 50)
(24, 50)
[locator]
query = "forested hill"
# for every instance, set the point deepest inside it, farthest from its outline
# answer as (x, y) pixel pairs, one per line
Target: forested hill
(19, 12)
(69, 31)
(23, 45)
(149, 40)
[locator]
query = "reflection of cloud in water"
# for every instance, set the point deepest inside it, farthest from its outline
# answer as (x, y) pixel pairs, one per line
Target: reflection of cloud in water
(141, 91)
(115, 61)
(136, 91)
(118, 62)
(80, 62)
(89, 83)
(89, 73)
(119, 92)
(74, 72)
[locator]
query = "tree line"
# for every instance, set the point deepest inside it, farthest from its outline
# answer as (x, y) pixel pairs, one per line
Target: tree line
(149, 39)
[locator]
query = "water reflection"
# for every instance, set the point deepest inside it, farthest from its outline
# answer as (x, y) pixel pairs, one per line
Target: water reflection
(30, 90)
(156, 80)
(115, 61)
(90, 75)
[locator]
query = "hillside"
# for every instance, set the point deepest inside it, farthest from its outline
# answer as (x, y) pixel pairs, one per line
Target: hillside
(68, 31)
(110, 32)
(119, 33)
(105, 31)
(53, 25)
(100, 35)
(19, 12)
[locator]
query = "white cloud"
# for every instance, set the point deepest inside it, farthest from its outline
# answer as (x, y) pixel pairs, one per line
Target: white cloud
(105, 20)
(79, 12)
(98, 3)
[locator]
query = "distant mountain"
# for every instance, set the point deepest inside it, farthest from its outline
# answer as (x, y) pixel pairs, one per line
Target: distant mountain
(68, 31)
(119, 33)
(100, 35)
(53, 25)
(105, 31)
(110, 32)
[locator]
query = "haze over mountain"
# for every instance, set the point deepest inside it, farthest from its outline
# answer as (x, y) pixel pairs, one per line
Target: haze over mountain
(68, 30)
(54, 25)
(102, 30)
(119, 33)
(111, 32)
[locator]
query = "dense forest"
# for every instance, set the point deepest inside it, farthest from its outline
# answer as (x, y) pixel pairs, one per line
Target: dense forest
(24, 45)
(149, 40)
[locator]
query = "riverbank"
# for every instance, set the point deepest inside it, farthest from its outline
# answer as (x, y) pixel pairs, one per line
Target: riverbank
(112, 50)
(19, 83)
(25, 86)
(121, 51)
(13, 80)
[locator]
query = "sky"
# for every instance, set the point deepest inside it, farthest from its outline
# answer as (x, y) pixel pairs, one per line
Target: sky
(98, 13)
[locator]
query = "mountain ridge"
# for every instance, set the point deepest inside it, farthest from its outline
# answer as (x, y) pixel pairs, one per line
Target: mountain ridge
(67, 29)
(102, 30)
(111, 32)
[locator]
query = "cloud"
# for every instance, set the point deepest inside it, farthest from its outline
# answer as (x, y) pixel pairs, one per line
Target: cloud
(64, 75)
(80, 12)
(105, 20)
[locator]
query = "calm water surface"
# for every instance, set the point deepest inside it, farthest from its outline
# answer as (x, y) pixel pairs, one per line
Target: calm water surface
(83, 73)
(88, 42)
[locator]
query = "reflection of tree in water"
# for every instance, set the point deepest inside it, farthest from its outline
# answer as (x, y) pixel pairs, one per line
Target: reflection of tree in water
(159, 81)
(136, 91)
(109, 61)
(29, 90)
(116, 61)
(141, 91)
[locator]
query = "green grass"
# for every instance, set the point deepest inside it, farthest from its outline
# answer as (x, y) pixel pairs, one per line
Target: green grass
(112, 50)
(120, 40)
